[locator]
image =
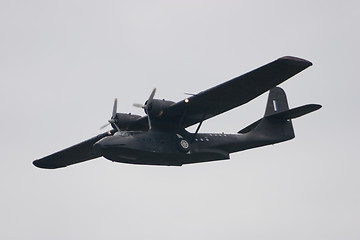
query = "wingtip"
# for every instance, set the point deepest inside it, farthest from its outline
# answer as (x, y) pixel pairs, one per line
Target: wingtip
(317, 106)
(38, 163)
(296, 61)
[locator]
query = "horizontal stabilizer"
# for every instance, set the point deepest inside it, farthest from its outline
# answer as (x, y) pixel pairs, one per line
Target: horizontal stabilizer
(297, 112)
(289, 114)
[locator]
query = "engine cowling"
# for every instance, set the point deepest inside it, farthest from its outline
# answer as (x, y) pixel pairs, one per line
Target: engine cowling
(157, 106)
(125, 121)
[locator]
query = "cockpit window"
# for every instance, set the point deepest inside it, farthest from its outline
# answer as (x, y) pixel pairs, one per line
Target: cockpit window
(122, 134)
(127, 133)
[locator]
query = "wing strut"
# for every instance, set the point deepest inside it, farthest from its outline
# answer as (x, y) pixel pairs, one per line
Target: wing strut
(197, 130)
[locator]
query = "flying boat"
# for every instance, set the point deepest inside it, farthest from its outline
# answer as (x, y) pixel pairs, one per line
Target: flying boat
(160, 137)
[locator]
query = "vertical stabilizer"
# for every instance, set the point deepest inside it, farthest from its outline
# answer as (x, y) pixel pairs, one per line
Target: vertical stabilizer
(273, 127)
(277, 102)
(279, 128)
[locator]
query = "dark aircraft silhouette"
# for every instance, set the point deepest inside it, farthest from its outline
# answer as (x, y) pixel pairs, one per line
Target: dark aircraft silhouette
(160, 138)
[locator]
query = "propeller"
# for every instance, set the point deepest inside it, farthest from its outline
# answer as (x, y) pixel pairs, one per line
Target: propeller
(147, 105)
(112, 119)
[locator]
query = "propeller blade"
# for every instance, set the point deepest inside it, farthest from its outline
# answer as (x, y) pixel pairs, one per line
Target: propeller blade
(138, 105)
(151, 97)
(104, 126)
(113, 116)
(146, 106)
(149, 121)
(114, 109)
(149, 101)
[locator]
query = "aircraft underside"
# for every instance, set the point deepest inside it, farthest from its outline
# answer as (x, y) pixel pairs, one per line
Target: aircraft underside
(202, 148)
(135, 156)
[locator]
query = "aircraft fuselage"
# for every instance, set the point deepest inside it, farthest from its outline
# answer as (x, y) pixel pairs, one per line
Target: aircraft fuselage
(164, 148)
(160, 138)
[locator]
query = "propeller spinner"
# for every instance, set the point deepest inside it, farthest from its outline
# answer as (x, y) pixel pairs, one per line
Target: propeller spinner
(112, 119)
(147, 105)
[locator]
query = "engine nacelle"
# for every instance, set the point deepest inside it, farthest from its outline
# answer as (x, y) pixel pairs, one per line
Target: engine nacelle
(157, 106)
(125, 121)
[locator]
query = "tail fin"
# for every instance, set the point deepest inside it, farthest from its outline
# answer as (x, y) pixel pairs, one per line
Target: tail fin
(277, 102)
(277, 113)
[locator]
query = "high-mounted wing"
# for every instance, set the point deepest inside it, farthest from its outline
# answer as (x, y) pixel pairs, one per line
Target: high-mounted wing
(78, 153)
(233, 93)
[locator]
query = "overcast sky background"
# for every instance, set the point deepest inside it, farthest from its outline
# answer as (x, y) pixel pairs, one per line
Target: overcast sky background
(63, 62)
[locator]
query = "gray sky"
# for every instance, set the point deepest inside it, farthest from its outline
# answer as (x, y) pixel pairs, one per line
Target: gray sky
(63, 62)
